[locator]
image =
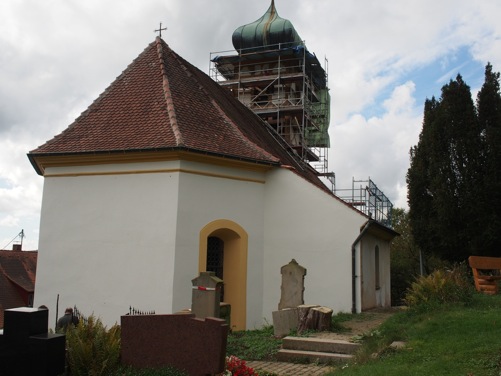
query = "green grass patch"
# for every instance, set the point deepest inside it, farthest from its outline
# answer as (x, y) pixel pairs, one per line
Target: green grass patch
(258, 344)
(337, 322)
(451, 339)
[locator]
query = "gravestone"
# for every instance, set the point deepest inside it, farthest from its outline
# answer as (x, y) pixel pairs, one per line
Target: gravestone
(26, 347)
(292, 296)
(197, 346)
(292, 289)
(206, 296)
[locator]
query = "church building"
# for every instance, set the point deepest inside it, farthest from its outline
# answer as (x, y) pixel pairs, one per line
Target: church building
(169, 173)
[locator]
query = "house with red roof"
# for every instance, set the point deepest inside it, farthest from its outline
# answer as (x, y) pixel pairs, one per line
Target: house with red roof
(17, 279)
(166, 175)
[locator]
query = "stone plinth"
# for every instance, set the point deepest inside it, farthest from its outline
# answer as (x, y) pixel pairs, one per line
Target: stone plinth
(206, 296)
(284, 321)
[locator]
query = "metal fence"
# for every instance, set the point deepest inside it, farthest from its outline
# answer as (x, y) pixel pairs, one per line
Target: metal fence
(134, 311)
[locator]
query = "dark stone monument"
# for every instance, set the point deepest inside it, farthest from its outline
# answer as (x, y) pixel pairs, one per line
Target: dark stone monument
(26, 347)
(195, 345)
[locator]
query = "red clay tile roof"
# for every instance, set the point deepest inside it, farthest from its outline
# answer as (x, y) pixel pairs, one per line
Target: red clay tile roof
(162, 102)
(17, 274)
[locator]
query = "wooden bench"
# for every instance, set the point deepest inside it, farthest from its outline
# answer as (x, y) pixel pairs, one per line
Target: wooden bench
(486, 272)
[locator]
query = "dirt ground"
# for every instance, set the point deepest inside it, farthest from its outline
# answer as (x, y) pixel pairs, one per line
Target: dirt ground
(362, 323)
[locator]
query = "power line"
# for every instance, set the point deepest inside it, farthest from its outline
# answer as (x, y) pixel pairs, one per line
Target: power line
(20, 235)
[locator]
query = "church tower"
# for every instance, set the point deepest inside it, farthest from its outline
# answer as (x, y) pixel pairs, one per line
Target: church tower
(275, 75)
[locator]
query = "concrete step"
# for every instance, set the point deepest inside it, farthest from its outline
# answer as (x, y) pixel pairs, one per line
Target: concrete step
(320, 345)
(285, 355)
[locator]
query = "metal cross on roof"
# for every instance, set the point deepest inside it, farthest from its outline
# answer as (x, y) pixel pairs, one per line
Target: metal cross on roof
(159, 30)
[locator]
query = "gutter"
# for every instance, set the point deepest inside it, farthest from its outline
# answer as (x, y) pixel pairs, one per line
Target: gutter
(353, 267)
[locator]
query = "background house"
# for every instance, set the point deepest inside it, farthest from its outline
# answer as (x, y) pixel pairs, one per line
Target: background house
(17, 278)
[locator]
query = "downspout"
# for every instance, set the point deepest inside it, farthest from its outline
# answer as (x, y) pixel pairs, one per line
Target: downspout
(353, 267)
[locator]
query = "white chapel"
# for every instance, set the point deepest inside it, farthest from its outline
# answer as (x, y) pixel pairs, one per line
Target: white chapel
(170, 172)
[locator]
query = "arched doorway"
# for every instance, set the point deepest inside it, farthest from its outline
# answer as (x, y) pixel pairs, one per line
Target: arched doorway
(215, 259)
(230, 245)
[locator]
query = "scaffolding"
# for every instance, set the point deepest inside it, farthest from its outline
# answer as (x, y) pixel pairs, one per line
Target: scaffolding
(286, 86)
(369, 199)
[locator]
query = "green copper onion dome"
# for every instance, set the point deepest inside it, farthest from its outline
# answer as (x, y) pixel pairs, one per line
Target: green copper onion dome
(270, 29)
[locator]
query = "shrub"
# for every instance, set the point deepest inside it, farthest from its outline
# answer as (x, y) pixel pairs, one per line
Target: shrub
(92, 349)
(441, 286)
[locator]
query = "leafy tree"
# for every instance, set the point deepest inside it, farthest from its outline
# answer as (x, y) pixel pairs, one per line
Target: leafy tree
(451, 168)
(407, 261)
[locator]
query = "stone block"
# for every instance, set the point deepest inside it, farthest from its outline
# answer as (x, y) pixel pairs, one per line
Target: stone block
(20, 323)
(26, 349)
(48, 354)
(284, 321)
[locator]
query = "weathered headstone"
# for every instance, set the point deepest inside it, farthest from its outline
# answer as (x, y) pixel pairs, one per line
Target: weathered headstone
(206, 295)
(292, 289)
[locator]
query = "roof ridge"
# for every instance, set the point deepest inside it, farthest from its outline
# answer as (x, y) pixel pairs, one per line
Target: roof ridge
(171, 111)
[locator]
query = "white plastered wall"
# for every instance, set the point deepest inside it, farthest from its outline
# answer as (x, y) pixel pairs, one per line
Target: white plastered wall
(107, 237)
(373, 297)
(213, 193)
(116, 235)
(304, 223)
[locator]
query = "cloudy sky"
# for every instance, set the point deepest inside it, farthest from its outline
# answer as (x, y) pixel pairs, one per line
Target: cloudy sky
(384, 59)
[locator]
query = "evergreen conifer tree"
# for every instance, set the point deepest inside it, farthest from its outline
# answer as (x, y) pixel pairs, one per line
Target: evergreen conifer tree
(446, 174)
(489, 200)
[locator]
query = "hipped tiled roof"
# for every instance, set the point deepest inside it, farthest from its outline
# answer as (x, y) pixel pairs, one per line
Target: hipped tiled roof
(162, 102)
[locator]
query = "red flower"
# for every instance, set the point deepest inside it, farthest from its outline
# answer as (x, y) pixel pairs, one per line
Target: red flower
(237, 367)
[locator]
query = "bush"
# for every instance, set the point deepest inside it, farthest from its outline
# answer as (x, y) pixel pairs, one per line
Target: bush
(441, 286)
(92, 349)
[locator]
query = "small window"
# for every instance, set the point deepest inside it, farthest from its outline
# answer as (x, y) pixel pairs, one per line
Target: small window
(377, 271)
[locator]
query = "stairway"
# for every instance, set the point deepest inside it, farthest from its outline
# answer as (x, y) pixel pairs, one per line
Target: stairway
(316, 350)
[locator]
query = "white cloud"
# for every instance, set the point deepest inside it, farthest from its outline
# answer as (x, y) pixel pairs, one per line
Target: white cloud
(59, 55)
(378, 147)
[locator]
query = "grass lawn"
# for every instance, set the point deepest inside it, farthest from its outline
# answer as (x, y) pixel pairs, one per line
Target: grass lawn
(444, 340)
(447, 340)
